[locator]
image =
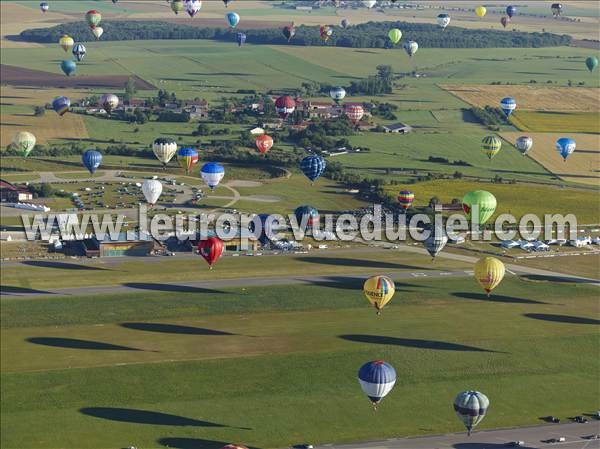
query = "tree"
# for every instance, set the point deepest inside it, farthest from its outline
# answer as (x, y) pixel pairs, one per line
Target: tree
(130, 89)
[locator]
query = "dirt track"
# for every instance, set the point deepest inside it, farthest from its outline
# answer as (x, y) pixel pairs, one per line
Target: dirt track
(18, 76)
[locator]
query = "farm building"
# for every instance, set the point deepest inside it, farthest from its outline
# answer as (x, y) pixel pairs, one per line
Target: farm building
(11, 193)
(122, 246)
(398, 128)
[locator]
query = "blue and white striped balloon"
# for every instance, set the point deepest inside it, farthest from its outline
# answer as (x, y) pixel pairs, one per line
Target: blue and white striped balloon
(313, 166)
(377, 379)
(508, 105)
(565, 147)
(471, 407)
(212, 174)
(91, 160)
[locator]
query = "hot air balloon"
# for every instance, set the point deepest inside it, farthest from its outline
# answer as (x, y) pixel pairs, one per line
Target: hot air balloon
(345, 23)
(289, 31)
(115, 2)
(504, 21)
(337, 94)
(556, 9)
(91, 160)
(93, 18)
(23, 142)
(524, 144)
(405, 199)
(109, 102)
(443, 20)
(489, 272)
(369, 3)
(411, 48)
(241, 39)
(97, 32)
(511, 11)
(164, 149)
(192, 7)
(264, 143)
(591, 63)
(177, 6)
(565, 147)
(66, 42)
(61, 105)
(309, 215)
(212, 174)
(285, 106)
(480, 11)
(491, 146)
(44, 6)
(234, 446)
(233, 18)
(227, 2)
(355, 112)
(379, 290)
(79, 52)
(152, 188)
(508, 105)
(395, 35)
(435, 243)
(187, 157)
(313, 166)
(211, 250)
(325, 31)
(471, 407)
(484, 201)
(68, 67)
(376, 379)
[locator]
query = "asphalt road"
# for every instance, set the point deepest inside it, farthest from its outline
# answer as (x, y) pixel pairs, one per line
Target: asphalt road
(533, 437)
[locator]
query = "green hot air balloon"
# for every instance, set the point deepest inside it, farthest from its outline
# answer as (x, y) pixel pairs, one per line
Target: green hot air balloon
(591, 63)
(177, 6)
(484, 201)
(395, 35)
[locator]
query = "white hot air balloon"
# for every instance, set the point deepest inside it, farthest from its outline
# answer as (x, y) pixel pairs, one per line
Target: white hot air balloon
(164, 149)
(369, 3)
(152, 188)
(97, 32)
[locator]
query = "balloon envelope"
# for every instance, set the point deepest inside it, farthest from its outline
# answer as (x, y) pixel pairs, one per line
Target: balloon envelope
(177, 6)
(491, 146)
(524, 144)
(97, 32)
(68, 67)
(211, 249)
(508, 105)
(489, 272)
(93, 18)
(44, 6)
(164, 149)
(377, 378)
(354, 112)
(482, 200)
(345, 23)
(109, 102)
(152, 188)
(61, 105)
(212, 174)
(241, 39)
(91, 160)
(284, 106)
(504, 21)
(435, 243)
(337, 94)
(411, 48)
(187, 157)
(471, 407)
(405, 199)
(313, 166)
(233, 18)
(66, 42)
(511, 11)
(480, 11)
(79, 52)
(379, 290)
(289, 31)
(565, 147)
(443, 20)
(192, 7)
(369, 3)
(395, 35)
(23, 142)
(591, 63)
(306, 216)
(264, 143)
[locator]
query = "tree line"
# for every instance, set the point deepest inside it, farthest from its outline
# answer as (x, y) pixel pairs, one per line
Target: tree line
(366, 35)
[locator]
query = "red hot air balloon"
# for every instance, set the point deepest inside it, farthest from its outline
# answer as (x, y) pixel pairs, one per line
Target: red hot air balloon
(504, 21)
(264, 143)
(284, 106)
(355, 113)
(211, 250)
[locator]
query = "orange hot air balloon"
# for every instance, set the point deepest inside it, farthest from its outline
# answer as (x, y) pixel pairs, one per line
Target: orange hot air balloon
(264, 143)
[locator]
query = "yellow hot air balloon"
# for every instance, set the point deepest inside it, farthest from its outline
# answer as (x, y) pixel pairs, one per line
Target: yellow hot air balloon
(480, 11)
(66, 42)
(23, 142)
(489, 272)
(379, 291)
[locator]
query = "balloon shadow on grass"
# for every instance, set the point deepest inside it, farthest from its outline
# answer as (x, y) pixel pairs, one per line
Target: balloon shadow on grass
(62, 265)
(355, 263)
(484, 446)
(166, 328)
(411, 343)
(9, 289)
(495, 298)
(558, 278)
(169, 288)
(136, 416)
(192, 443)
(567, 319)
(74, 343)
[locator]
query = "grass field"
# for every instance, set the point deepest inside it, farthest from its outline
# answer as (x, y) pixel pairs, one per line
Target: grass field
(515, 199)
(551, 121)
(530, 98)
(179, 362)
(583, 166)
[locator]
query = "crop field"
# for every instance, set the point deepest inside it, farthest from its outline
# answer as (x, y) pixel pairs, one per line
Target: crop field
(551, 121)
(530, 98)
(516, 199)
(50, 126)
(583, 166)
(209, 349)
